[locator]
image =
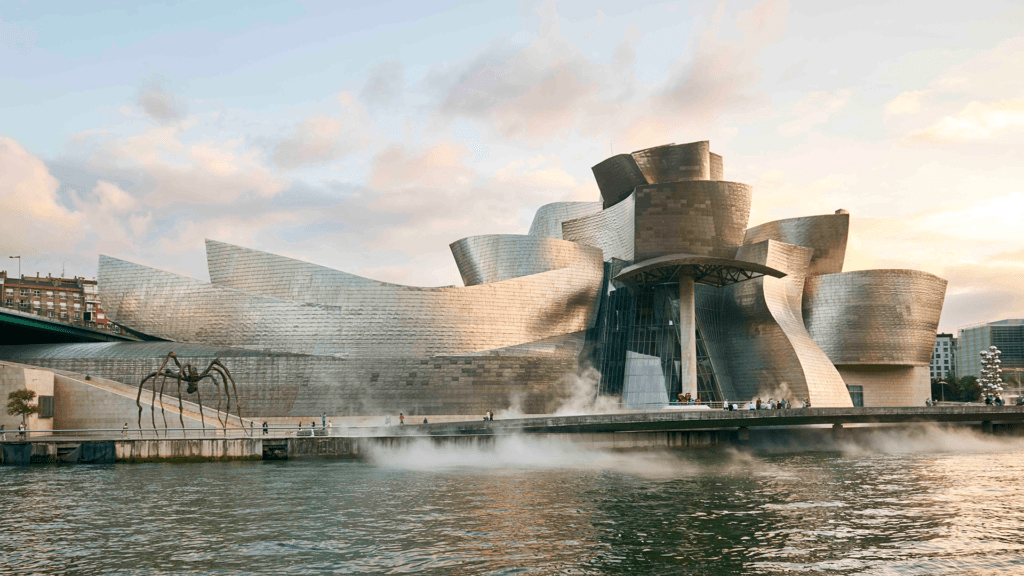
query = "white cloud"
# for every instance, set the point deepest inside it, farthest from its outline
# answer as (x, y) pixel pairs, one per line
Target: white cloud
(906, 103)
(814, 109)
(33, 219)
(977, 121)
(320, 138)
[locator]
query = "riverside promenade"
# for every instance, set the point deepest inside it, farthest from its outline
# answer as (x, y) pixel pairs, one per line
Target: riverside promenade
(672, 429)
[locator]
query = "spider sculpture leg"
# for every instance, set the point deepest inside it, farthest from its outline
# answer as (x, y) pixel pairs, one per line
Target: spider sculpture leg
(181, 407)
(138, 397)
(202, 418)
(163, 408)
(227, 373)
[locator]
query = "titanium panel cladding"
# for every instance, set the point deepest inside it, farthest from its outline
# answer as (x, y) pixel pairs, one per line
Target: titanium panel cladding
(384, 321)
(701, 218)
(875, 316)
(548, 220)
(768, 348)
(825, 234)
(611, 230)
(493, 258)
(617, 177)
(675, 162)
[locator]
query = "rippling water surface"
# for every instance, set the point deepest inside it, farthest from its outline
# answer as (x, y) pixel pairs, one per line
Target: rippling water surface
(931, 503)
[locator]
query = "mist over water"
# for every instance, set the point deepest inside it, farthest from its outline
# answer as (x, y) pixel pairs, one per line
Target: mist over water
(928, 500)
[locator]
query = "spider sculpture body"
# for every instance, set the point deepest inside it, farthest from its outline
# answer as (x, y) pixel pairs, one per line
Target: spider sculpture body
(186, 373)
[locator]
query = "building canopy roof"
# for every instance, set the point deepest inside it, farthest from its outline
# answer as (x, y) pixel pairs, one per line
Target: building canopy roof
(703, 270)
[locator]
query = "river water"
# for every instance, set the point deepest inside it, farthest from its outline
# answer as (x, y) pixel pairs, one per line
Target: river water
(930, 502)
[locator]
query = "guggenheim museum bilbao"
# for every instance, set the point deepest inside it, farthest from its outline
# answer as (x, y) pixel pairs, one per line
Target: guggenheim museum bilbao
(658, 289)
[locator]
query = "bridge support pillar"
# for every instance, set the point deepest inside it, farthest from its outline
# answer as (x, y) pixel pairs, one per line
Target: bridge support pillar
(837, 431)
(986, 427)
(743, 435)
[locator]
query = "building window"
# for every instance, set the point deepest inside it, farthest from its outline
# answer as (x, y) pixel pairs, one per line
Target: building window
(63, 305)
(10, 291)
(78, 306)
(63, 294)
(78, 316)
(49, 305)
(49, 314)
(24, 304)
(64, 315)
(9, 302)
(857, 395)
(77, 295)
(24, 291)
(35, 293)
(49, 294)
(88, 306)
(46, 406)
(35, 304)
(100, 316)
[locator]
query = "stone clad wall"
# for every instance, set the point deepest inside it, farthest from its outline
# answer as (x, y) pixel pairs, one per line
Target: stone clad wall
(617, 177)
(14, 377)
(675, 162)
(890, 385)
(701, 218)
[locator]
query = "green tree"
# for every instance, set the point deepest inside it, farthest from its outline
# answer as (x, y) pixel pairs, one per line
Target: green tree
(19, 403)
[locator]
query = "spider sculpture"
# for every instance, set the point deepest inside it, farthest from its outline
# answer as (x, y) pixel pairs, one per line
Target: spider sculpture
(188, 374)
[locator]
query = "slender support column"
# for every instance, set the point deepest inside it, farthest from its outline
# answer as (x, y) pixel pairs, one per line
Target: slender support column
(687, 336)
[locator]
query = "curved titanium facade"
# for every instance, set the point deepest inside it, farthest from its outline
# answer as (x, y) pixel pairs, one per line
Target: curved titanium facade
(493, 258)
(825, 234)
(769, 350)
(611, 230)
(377, 321)
(549, 217)
(675, 162)
(617, 177)
(702, 218)
(874, 316)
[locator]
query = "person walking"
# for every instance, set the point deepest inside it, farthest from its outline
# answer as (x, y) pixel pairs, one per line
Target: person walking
(312, 428)
(21, 431)
(265, 430)
(3, 433)
(124, 430)
(330, 428)
(252, 427)
(323, 419)
(401, 419)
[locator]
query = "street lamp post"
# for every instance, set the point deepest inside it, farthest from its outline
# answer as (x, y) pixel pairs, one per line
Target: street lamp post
(19, 264)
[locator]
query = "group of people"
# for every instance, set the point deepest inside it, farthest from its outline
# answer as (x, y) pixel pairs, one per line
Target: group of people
(324, 425)
(688, 399)
(771, 404)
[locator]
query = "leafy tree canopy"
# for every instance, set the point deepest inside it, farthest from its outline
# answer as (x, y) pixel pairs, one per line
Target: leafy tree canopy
(19, 403)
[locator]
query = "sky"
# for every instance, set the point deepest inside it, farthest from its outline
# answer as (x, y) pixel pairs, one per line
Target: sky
(367, 137)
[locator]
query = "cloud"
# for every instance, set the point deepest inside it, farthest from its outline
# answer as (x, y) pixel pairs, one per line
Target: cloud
(385, 82)
(977, 121)
(169, 171)
(160, 104)
(906, 103)
(34, 221)
(814, 109)
(321, 138)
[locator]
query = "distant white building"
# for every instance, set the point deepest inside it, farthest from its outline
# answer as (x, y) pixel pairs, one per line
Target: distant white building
(943, 357)
(1007, 335)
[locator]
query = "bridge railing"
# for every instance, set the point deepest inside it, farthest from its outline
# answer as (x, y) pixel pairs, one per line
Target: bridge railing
(271, 432)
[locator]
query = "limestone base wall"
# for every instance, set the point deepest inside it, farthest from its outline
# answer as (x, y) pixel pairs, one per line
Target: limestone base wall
(14, 377)
(889, 385)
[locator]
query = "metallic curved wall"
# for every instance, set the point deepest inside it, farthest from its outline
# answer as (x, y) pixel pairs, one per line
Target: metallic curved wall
(767, 347)
(375, 321)
(617, 177)
(549, 217)
(874, 316)
(611, 230)
(675, 162)
(702, 218)
(497, 257)
(825, 234)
